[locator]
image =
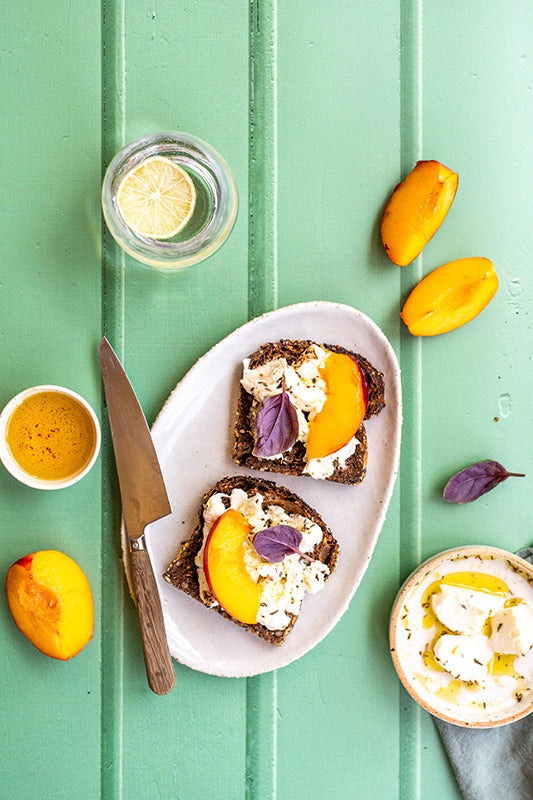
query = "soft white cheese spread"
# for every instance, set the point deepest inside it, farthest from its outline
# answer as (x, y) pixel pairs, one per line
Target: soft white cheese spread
(303, 382)
(322, 468)
(283, 584)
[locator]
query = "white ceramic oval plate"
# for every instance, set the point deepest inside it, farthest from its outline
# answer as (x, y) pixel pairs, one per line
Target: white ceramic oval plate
(193, 436)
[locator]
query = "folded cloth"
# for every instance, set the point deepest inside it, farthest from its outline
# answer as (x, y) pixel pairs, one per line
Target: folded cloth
(492, 763)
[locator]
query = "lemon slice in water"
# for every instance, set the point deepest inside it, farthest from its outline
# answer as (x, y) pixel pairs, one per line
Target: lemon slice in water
(156, 198)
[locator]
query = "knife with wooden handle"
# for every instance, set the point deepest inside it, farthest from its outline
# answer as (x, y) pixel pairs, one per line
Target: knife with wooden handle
(144, 500)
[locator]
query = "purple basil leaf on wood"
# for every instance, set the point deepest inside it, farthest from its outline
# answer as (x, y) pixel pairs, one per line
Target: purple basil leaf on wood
(276, 425)
(476, 480)
(274, 543)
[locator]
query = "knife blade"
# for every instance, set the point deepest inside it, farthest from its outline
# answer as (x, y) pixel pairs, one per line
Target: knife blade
(144, 500)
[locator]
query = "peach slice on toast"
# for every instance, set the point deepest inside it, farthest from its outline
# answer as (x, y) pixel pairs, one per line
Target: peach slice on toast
(344, 408)
(225, 570)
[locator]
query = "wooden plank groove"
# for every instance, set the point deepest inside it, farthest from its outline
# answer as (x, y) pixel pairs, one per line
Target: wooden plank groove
(112, 689)
(261, 692)
(261, 737)
(263, 160)
(113, 315)
(113, 100)
(410, 478)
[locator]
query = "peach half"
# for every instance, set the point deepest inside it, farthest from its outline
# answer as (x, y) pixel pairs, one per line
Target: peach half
(416, 210)
(51, 602)
(226, 571)
(450, 296)
(344, 409)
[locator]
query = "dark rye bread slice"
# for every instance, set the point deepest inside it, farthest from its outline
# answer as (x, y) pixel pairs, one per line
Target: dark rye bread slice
(182, 572)
(293, 461)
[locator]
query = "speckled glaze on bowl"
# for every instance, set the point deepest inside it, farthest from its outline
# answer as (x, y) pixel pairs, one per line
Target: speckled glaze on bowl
(406, 603)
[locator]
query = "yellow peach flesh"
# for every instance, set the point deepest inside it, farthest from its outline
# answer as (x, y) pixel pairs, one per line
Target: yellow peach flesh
(343, 411)
(450, 296)
(416, 210)
(226, 571)
(51, 602)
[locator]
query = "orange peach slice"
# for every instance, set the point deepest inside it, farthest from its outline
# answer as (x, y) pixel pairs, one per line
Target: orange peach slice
(416, 210)
(450, 296)
(226, 571)
(344, 409)
(51, 602)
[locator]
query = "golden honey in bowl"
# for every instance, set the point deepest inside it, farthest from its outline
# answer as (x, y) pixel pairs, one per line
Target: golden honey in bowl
(51, 435)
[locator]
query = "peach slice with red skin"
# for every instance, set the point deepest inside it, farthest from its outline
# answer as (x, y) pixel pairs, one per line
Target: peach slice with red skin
(416, 210)
(344, 409)
(450, 296)
(51, 602)
(225, 570)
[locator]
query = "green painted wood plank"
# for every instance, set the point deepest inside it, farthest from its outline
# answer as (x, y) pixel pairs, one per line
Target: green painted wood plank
(340, 153)
(478, 114)
(50, 293)
(334, 174)
(182, 63)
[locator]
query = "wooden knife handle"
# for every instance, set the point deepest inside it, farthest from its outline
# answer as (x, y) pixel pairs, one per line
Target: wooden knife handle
(159, 668)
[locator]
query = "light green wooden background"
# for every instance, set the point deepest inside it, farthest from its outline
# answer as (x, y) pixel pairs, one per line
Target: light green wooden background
(320, 109)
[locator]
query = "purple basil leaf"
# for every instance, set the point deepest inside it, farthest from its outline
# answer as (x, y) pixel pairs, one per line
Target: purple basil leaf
(274, 543)
(276, 425)
(476, 480)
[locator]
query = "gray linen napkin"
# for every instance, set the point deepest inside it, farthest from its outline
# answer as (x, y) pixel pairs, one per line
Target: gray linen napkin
(492, 763)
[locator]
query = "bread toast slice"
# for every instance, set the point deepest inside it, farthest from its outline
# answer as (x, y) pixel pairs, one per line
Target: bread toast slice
(293, 461)
(183, 571)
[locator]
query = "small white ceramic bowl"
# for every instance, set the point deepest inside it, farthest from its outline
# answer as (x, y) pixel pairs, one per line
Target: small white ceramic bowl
(13, 466)
(499, 698)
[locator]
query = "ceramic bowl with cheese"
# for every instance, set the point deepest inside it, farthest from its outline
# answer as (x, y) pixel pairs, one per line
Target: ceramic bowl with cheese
(461, 636)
